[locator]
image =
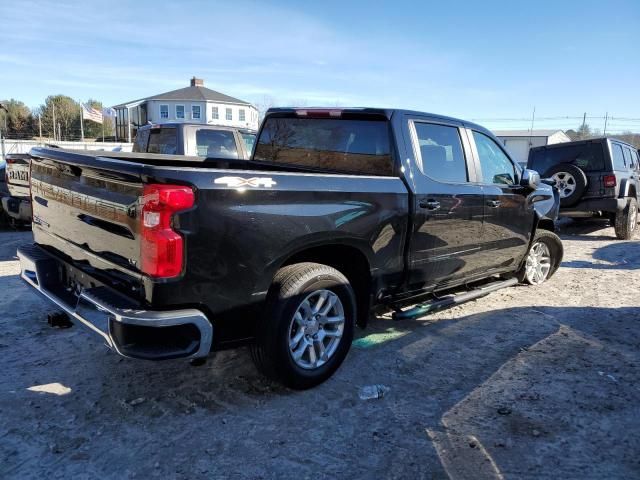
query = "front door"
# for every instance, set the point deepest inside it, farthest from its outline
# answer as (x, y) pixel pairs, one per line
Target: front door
(448, 206)
(508, 215)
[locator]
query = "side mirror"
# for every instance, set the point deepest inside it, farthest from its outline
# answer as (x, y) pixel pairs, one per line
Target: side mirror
(530, 179)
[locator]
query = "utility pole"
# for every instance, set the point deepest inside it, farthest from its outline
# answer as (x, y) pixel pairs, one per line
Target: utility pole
(606, 119)
(59, 132)
(53, 106)
(3, 133)
(584, 124)
(533, 119)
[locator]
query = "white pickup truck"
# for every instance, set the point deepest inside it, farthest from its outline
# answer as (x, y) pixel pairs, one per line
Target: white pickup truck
(18, 203)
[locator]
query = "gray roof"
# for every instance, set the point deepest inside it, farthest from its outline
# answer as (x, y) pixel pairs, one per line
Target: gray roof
(196, 93)
(525, 133)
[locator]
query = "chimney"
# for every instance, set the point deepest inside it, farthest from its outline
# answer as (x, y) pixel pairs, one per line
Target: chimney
(197, 82)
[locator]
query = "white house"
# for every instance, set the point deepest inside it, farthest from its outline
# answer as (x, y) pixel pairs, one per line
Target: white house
(518, 142)
(194, 103)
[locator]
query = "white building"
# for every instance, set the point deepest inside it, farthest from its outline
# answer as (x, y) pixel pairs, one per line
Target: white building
(518, 142)
(194, 103)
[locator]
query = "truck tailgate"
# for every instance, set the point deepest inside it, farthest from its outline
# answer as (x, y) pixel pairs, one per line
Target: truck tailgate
(87, 214)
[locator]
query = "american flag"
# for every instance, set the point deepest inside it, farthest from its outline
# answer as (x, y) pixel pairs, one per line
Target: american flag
(89, 113)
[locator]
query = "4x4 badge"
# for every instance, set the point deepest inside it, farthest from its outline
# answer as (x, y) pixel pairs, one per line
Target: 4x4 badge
(239, 182)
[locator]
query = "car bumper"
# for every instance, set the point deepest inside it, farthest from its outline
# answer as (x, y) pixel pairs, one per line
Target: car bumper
(589, 208)
(17, 208)
(125, 328)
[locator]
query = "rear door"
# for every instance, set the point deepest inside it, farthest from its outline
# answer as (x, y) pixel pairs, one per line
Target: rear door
(508, 216)
(447, 210)
(623, 170)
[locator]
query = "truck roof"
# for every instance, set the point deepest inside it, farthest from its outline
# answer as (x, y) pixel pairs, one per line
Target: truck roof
(196, 124)
(381, 112)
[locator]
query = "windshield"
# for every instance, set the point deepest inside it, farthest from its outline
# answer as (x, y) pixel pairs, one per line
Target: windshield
(348, 146)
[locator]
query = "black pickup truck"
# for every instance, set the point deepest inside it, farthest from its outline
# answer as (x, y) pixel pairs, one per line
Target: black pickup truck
(337, 211)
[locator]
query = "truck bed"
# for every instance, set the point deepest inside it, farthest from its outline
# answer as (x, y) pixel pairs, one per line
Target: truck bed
(87, 212)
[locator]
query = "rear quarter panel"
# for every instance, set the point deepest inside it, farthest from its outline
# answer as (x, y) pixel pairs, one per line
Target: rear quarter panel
(238, 237)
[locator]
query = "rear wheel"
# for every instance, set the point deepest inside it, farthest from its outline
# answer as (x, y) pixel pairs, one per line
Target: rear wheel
(570, 182)
(543, 259)
(626, 222)
(307, 328)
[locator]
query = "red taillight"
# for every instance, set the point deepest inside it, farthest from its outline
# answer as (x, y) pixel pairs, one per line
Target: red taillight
(162, 249)
(609, 181)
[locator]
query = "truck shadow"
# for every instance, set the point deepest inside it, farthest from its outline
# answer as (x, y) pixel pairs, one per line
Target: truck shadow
(614, 256)
(10, 240)
(430, 366)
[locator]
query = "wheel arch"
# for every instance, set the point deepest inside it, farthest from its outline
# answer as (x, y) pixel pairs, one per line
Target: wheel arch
(349, 260)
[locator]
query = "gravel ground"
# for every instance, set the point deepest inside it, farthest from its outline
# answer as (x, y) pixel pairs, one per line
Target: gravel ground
(529, 382)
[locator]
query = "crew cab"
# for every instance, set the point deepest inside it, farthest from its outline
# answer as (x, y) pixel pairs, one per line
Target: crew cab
(17, 203)
(598, 177)
(337, 211)
(194, 139)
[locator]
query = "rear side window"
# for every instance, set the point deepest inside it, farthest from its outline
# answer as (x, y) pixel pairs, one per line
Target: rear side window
(440, 152)
(216, 143)
(618, 157)
(338, 145)
(588, 157)
(628, 159)
(636, 160)
(142, 138)
(249, 140)
(163, 140)
(494, 163)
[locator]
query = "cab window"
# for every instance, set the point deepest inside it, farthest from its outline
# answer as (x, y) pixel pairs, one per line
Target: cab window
(142, 139)
(439, 152)
(216, 143)
(495, 166)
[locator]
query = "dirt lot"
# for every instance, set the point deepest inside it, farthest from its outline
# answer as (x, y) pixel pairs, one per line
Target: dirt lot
(525, 383)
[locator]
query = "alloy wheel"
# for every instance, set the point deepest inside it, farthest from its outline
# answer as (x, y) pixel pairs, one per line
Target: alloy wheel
(565, 183)
(538, 263)
(316, 329)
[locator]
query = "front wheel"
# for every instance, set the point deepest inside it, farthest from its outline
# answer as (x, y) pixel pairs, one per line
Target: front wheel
(307, 328)
(543, 259)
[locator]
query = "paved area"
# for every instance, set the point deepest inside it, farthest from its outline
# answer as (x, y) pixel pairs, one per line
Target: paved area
(529, 382)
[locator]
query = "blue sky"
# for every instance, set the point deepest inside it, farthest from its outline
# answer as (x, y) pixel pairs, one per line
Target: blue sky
(477, 60)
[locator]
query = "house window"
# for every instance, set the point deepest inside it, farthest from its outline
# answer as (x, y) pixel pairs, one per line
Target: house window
(180, 111)
(241, 115)
(195, 112)
(214, 113)
(229, 114)
(164, 111)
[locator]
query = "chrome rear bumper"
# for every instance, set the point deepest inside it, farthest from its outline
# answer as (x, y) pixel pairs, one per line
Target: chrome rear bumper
(130, 331)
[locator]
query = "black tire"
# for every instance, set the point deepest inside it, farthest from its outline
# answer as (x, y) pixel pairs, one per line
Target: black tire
(555, 249)
(570, 192)
(626, 222)
(291, 286)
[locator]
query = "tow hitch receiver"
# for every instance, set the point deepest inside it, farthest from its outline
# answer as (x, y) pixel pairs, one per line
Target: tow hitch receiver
(59, 320)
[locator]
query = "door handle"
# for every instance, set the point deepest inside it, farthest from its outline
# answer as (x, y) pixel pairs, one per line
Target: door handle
(429, 204)
(494, 203)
